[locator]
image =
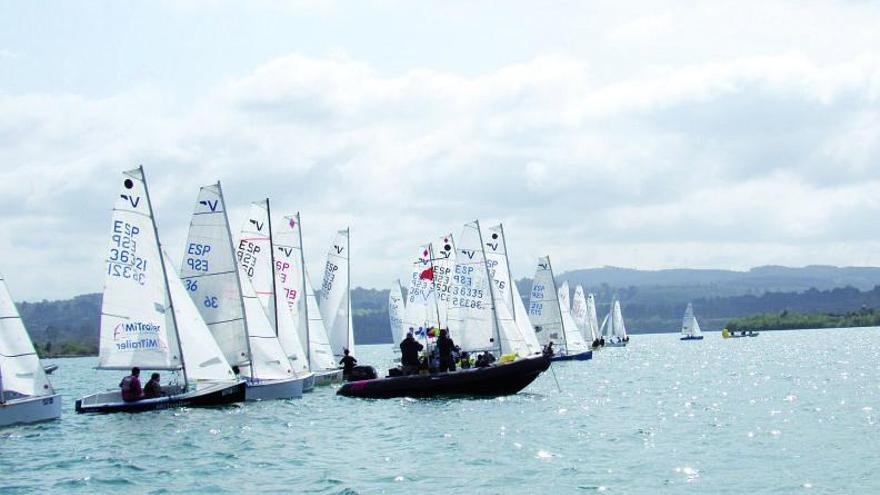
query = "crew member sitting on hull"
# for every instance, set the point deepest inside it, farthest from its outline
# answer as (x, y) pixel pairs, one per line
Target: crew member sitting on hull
(348, 362)
(409, 354)
(131, 386)
(153, 388)
(445, 346)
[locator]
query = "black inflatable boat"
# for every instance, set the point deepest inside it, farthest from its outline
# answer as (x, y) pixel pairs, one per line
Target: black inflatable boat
(494, 380)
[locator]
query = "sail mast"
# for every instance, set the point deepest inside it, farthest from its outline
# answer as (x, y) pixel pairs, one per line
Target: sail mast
(247, 338)
(558, 304)
(303, 293)
(489, 281)
(274, 299)
(165, 276)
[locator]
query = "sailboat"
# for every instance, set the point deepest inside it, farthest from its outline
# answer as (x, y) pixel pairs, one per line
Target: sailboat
(335, 303)
(550, 313)
(149, 321)
(301, 301)
(519, 335)
(690, 327)
(613, 327)
(274, 342)
(26, 396)
(473, 324)
(580, 312)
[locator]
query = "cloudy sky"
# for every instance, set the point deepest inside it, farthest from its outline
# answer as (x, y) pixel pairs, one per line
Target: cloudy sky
(639, 134)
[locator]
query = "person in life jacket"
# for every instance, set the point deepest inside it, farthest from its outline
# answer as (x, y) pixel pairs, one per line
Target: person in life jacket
(131, 386)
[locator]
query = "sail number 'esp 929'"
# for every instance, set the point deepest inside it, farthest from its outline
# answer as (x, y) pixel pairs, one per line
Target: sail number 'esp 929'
(122, 260)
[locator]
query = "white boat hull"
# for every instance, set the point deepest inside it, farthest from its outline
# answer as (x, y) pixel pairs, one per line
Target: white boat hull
(30, 410)
(291, 388)
(328, 377)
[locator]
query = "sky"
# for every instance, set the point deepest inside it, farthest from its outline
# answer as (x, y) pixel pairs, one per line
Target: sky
(644, 134)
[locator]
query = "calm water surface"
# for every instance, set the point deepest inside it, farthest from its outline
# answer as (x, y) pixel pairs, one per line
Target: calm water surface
(787, 412)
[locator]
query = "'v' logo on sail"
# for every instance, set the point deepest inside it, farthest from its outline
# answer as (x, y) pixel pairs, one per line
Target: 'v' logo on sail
(131, 199)
(212, 205)
(258, 225)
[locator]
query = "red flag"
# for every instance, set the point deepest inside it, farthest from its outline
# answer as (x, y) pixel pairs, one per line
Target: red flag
(427, 274)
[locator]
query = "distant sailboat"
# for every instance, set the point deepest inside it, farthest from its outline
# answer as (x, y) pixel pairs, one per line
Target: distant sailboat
(583, 310)
(301, 301)
(26, 396)
(690, 327)
(550, 313)
(149, 321)
(613, 327)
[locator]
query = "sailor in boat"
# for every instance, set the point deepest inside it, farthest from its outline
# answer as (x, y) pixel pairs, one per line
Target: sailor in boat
(131, 386)
(445, 347)
(409, 354)
(153, 388)
(348, 362)
(548, 349)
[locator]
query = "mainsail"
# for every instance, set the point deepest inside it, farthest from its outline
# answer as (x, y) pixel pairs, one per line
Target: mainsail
(335, 304)
(580, 311)
(592, 316)
(472, 322)
(507, 294)
(137, 325)
(689, 324)
(618, 328)
(550, 312)
(296, 287)
(210, 274)
(20, 368)
(421, 308)
(396, 309)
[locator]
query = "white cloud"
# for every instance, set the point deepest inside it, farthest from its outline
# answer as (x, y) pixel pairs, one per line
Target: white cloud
(729, 162)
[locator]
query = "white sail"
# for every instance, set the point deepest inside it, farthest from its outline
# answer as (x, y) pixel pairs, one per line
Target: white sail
(443, 263)
(296, 290)
(605, 329)
(210, 275)
(20, 368)
(269, 359)
(617, 325)
(335, 303)
(544, 311)
(550, 311)
(579, 312)
(137, 326)
(689, 324)
(421, 309)
(593, 317)
(574, 339)
(395, 314)
(204, 358)
(472, 322)
(507, 292)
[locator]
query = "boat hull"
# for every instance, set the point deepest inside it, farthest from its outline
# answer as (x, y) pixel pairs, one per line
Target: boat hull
(581, 356)
(216, 394)
(290, 388)
(616, 344)
(496, 380)
(692, 337)
(328, 377)
(309, 382)
(30, 410)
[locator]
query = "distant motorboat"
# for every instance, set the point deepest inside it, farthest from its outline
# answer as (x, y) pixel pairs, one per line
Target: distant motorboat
(50, 368)
(690, 327)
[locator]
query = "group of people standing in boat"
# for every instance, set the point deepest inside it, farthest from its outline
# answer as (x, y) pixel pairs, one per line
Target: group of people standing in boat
(443, 357)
